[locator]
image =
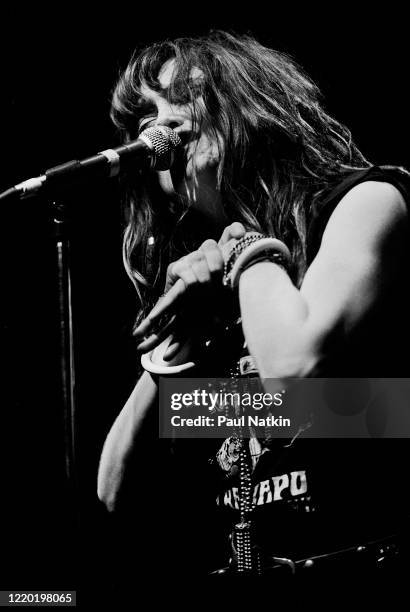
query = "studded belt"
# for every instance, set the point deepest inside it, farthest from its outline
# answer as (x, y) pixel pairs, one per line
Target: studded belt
(364, 557)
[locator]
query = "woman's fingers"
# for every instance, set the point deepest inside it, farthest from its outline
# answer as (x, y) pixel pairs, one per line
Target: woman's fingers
(235, 230)
(166, 303)
(189, 276)
(175, 346)
(213, 255)
(200, 268)
(194, 270)
(148, 344)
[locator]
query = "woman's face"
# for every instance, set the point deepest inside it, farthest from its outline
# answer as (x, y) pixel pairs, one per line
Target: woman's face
(194, 172)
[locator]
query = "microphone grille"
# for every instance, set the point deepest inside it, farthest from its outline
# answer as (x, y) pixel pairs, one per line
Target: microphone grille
(164, 142)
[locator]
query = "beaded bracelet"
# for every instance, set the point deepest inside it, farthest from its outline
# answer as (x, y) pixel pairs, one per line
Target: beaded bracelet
(236, 250)
(260, 248)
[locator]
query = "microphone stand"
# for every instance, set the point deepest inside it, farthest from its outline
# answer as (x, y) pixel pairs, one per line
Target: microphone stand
(65, 321)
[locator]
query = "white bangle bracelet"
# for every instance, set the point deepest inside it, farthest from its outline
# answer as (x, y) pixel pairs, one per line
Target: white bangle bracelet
(265, 245)
(162, 368)
(153, 368)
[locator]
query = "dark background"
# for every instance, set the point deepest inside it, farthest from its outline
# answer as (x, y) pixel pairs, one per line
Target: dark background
(57, 72)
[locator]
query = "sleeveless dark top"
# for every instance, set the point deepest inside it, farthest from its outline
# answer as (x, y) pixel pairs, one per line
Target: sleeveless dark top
(323, 209)
(316, 495)
(319, 495)
(379, 348)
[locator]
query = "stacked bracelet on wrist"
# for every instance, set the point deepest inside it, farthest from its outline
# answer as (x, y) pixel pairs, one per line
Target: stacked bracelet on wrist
(240, 246)
(252, 249)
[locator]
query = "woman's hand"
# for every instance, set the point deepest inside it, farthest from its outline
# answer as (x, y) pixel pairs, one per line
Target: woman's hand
(194, 294)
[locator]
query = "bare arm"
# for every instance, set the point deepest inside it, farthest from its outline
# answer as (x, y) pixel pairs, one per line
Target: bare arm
(122, 439)
(135, 426)
(288, 330)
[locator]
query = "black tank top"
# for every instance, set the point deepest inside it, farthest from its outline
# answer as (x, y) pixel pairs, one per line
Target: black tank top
(320, 495)
(379, 348)
(315, 495)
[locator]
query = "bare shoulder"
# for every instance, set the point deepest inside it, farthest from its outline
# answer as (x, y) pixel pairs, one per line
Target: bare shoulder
(371, 213)
(360, 257)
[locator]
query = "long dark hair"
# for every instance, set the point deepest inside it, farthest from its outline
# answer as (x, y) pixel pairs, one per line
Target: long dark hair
(280, 150)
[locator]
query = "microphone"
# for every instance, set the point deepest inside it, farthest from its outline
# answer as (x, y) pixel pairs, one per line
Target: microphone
(154, 149)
